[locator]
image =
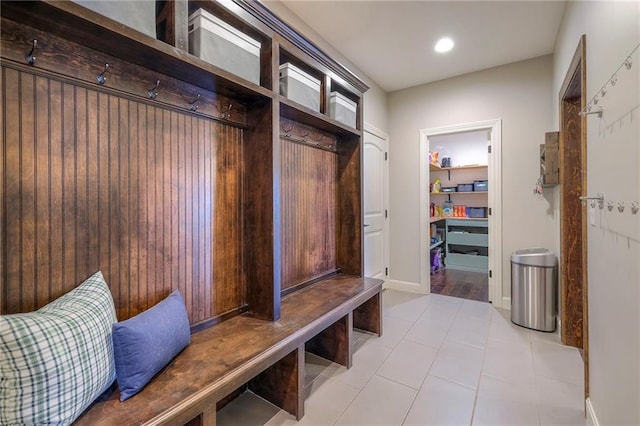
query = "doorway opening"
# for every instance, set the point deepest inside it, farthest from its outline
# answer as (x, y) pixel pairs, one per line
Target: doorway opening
(466, 217)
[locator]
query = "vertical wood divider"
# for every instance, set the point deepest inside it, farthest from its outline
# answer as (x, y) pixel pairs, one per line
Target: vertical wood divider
(176, 17)
(276, 182)
(261, 215)
(349, 221)
(3, 235)
(325, 96)
(334, 342)
(283, 383)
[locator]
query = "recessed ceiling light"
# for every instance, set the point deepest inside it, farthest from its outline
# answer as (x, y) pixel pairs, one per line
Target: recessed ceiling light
(443, 45)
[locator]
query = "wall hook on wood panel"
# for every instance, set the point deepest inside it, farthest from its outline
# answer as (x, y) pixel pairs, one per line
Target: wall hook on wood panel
(152, 92)
(226, 113)
(101, 78)
(193, 105)
(30, 57)
(304, 136)
(318, 140)
(287, 130)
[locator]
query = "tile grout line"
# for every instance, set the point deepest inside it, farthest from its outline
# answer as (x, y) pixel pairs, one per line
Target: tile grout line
(484, 357)
(361, 389)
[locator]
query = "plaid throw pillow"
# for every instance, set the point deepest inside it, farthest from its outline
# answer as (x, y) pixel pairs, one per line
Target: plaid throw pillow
(56, 361)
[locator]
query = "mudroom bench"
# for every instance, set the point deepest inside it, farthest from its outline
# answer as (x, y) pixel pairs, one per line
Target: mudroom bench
(265, 356)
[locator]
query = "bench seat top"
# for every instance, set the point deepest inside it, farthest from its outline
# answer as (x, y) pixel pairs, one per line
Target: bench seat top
(223, 357)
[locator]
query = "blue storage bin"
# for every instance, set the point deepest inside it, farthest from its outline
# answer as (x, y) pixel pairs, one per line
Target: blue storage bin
(465, 187)
(480, 185)
(476, 212)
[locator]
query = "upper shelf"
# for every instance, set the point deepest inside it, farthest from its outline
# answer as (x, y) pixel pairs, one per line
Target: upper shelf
(74, 22)
(297, 112)
(435, 168)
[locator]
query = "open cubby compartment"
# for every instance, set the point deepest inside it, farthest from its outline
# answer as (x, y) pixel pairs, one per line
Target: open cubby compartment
(321, 212)
(339, 86)
(227, 22)
(76, 24)
(302, 77)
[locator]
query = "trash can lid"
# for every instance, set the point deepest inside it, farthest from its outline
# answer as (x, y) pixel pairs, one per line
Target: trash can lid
(535, 256)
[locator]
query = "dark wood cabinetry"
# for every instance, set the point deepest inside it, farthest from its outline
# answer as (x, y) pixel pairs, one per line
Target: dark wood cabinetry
(235, 199)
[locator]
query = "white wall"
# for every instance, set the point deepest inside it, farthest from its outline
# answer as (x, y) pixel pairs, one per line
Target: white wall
(375, 99)
(519, 94)
(464, 149)
(612, 30)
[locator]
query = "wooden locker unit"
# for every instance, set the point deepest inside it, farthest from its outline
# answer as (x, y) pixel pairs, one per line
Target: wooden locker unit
(200, 189)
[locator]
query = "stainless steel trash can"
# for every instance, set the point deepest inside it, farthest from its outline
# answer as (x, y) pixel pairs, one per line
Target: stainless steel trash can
(534, 289)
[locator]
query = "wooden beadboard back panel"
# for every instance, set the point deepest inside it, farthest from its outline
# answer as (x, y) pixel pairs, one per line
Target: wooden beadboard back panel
(309, 203)
(93, 181)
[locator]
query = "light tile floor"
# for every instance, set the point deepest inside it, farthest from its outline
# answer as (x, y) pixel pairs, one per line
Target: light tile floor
(440, 361)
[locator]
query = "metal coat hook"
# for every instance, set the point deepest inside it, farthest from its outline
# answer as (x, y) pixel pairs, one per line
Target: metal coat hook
(621, 206)
(317, 140)
(29, 57)
(610, 205)
(193, 105)
(226, 113)
(101, 77)
(627, 62)
(599, 198)
(598, 111)
(304, 137)
(635, 207)
(287, 130)
(152, 92)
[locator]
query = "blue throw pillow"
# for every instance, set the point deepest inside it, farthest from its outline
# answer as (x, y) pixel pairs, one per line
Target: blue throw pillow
(144, 344)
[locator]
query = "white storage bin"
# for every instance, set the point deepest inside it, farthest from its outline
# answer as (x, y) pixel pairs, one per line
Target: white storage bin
(137, 14)
(342, 109)
(299, 86)
(224, 46)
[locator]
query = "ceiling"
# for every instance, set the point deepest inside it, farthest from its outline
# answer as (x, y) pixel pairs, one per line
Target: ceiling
(392, 41)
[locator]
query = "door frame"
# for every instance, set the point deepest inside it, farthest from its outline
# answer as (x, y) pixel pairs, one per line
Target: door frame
(574, 326)
(368, 128)
(494, 200)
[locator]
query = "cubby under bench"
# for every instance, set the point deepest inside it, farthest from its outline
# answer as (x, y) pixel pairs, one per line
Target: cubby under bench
(265, 356)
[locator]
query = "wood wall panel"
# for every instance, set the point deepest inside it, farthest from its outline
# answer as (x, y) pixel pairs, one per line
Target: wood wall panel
(92, 181)
(229, 228)
(309, 198)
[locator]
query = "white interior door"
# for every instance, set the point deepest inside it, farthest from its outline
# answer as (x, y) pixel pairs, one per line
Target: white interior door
(375, 206)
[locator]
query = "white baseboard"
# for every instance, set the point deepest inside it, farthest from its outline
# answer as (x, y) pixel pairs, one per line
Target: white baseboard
(405, 286)
(592, 420)
(506, 303)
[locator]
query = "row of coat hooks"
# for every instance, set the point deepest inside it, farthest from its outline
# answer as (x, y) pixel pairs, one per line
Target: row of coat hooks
(101, 79)
(599, 199)
(613, 80)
